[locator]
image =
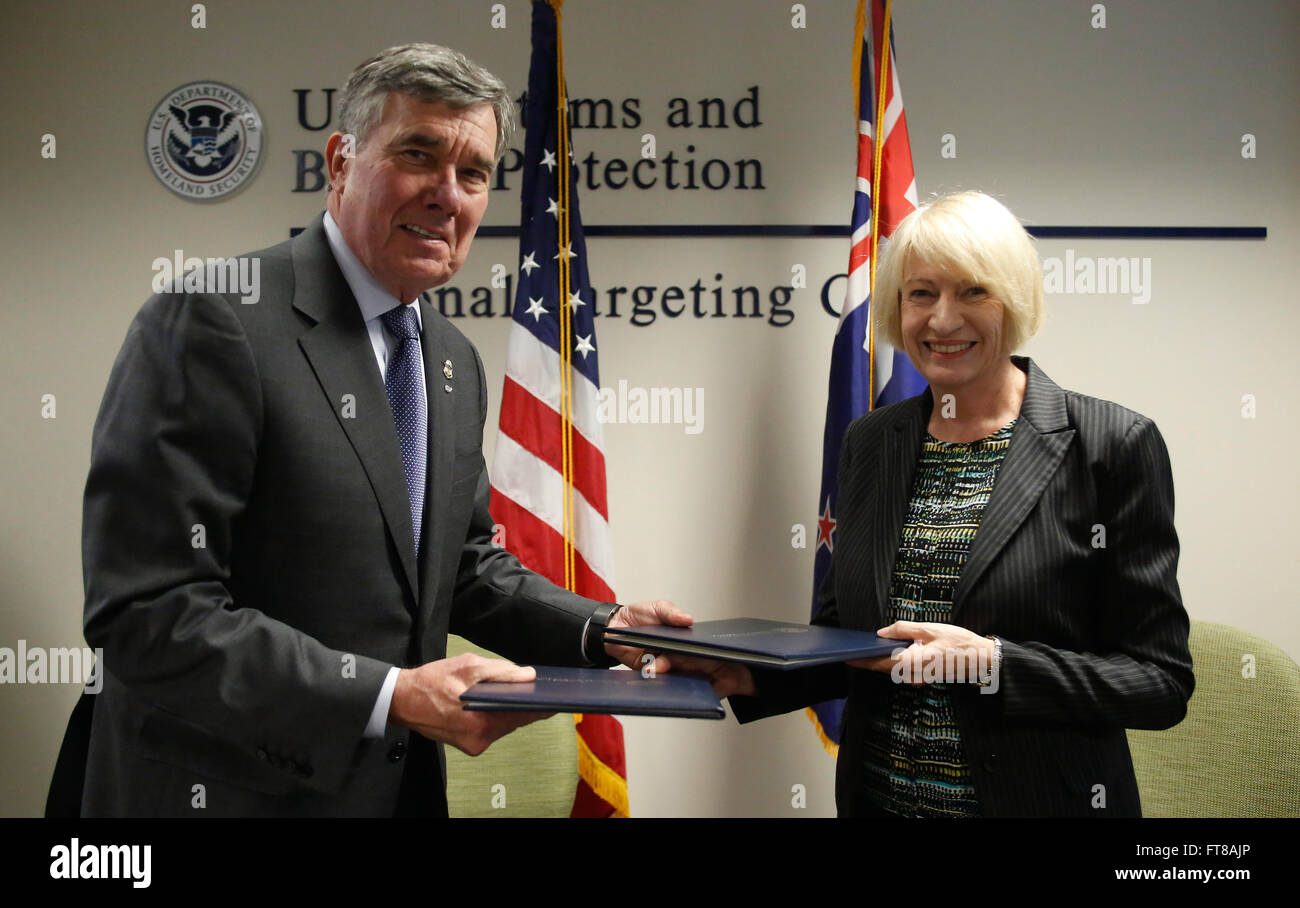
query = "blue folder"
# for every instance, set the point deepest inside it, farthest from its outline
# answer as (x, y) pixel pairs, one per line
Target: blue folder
(758, 642)
(599, 691)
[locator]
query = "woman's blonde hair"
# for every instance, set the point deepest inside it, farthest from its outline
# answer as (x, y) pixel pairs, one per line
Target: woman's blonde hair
(972, 237)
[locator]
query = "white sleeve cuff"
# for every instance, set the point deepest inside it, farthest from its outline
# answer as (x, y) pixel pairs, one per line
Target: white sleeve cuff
(379, 717)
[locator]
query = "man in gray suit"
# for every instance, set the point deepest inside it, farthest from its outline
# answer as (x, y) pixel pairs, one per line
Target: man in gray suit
(287, 506)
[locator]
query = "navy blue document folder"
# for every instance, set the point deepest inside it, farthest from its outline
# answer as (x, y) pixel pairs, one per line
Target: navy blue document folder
(601, 691)
(757, 641)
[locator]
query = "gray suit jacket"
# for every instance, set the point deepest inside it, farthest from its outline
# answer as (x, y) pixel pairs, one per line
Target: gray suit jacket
(1095, 639)
(249, 565)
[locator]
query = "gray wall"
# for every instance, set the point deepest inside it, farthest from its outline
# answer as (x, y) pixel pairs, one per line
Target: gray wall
(1137, 123)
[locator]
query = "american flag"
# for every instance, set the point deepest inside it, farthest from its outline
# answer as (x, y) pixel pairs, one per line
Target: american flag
(866, 372)
(548, 473)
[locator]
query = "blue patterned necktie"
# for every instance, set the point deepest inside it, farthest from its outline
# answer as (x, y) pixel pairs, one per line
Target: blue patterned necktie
(406, 397)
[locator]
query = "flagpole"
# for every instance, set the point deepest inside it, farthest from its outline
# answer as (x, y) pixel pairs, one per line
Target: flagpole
(528, 413)
(859, 26)
(878, 147)
(566, 324)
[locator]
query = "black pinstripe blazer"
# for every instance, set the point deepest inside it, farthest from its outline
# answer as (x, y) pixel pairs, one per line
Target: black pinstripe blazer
(1094, 630)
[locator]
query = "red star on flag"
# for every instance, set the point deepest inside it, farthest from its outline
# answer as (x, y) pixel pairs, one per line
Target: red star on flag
(825, 526)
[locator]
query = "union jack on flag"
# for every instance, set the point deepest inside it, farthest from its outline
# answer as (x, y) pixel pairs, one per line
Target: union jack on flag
(866, 372)
(548, 472)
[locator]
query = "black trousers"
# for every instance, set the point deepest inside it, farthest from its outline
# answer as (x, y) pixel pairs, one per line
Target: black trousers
(423, 793)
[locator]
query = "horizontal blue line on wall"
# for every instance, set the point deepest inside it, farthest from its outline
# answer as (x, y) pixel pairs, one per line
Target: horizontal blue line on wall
(832, 230)
(835, 230)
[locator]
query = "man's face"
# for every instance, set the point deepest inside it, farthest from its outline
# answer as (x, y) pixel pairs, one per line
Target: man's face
(410, 199)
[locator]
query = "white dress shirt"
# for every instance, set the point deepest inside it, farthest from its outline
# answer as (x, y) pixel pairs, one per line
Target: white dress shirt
(374, 301)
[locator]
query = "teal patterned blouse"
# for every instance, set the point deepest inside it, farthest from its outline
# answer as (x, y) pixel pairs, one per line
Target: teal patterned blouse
(914, 761)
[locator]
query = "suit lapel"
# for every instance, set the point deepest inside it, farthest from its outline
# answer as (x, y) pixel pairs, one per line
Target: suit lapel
(1038, 445)
(442, 428)
(900, 449)
(339, 351)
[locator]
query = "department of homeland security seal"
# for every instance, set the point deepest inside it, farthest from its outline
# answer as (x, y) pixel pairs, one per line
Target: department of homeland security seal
(204, 140)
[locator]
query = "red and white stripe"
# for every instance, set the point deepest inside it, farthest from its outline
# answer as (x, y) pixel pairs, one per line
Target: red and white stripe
(898, 188)
(527, 478)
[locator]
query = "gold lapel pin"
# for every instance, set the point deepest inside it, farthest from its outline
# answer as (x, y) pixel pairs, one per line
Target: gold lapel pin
(446, 370)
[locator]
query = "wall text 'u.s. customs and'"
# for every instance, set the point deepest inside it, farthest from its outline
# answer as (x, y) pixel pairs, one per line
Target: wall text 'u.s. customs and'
(687, 166)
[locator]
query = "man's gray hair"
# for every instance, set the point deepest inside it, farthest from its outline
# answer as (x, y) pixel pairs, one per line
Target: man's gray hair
(429, 72)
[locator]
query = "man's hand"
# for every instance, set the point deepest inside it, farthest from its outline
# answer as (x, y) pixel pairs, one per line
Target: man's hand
(661, 611)
(727, 678)
(426, 699)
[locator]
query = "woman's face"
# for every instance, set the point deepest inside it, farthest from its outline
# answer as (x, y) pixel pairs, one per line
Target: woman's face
(952, 328)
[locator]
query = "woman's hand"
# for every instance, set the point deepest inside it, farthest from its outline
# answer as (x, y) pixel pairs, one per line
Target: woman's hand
(937, 653)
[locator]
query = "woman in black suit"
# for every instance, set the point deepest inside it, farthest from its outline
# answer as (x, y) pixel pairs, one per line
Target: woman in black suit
(1016, 538)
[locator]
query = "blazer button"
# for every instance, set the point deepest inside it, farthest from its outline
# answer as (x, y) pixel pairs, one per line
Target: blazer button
(991, 763)
(396, 752)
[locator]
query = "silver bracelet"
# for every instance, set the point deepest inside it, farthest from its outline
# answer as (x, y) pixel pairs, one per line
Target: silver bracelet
(996, 665)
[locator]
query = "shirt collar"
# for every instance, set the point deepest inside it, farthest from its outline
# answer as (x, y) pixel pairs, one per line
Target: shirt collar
(371, 297)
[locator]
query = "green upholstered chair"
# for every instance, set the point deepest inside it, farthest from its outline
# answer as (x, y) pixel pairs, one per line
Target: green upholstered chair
(536, 764)
(1237, 752)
